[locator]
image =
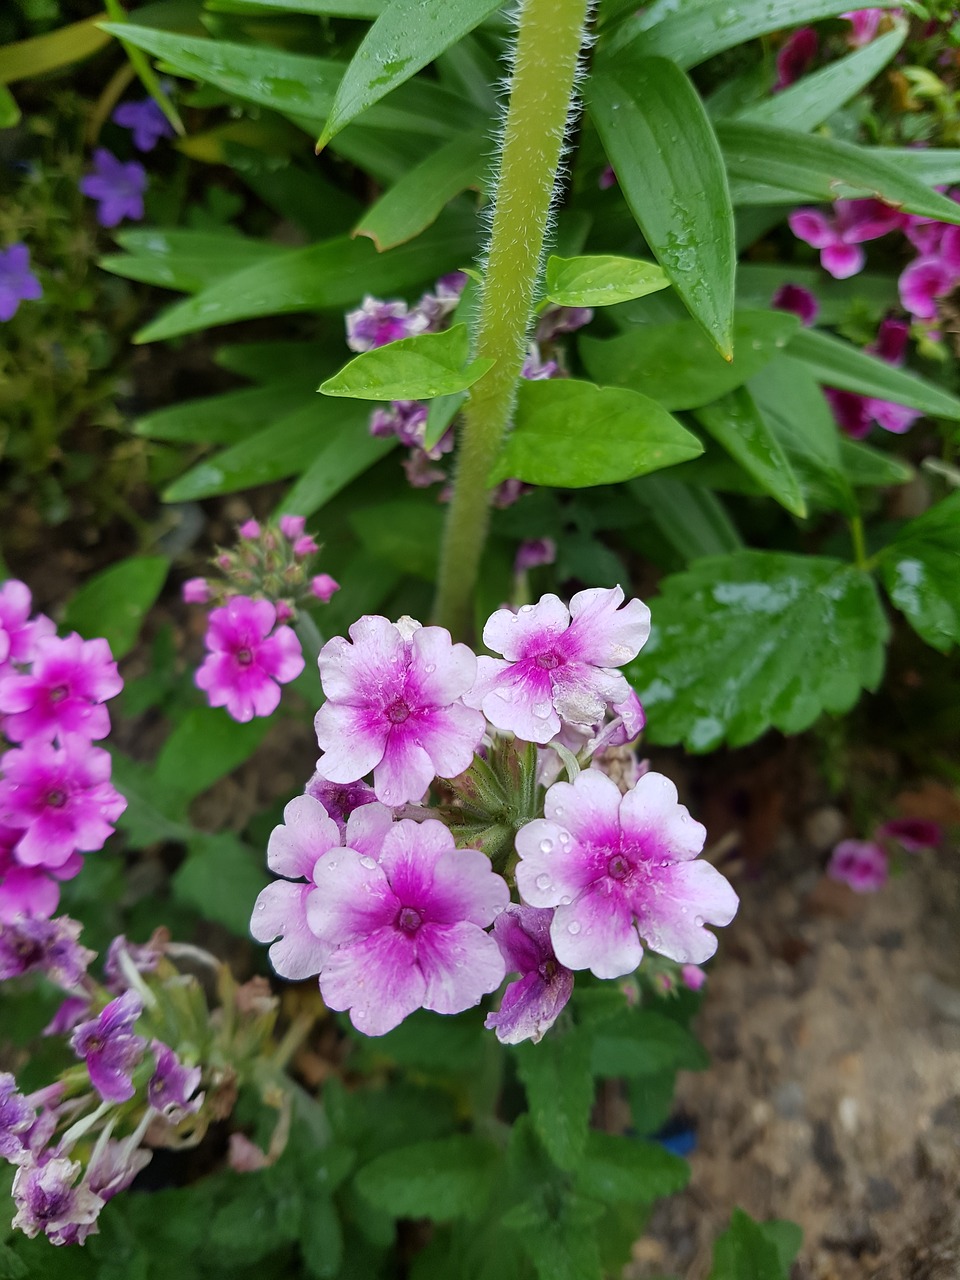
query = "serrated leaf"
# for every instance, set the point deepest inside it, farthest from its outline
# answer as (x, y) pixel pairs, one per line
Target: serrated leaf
(643, 1043)
(735, 422)
(220, 878)
(600, 280)
(677, 364)
(204, 747)
(406, 36)
(560, 1090)
(419, 368)
(757, 640)
(921, 572)
(443, 1180)
(615, 1169)
(574, 434)
(660, 141)
(114, 603)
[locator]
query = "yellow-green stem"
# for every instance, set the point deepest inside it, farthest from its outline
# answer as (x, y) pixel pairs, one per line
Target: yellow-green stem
(541, 89)
(859, 544)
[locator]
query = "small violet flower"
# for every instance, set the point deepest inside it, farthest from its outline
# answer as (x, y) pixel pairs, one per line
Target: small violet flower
(558, 664)
(531, 1005)
(839, 235)
(407, 931)
(117, 187)
(49, 947)
(620, 869)
(145, 120)
(375, 323)
(63, 693)
(793, 297)
(110, 1047)
(16, 1120)
(172, 1086)
(195, 591)
(125, 960)
(795, 57)
(914, 834)
(17, 282)
(534, 553)
(861, 864)
(394, 706)
(248, 659)
(49, 1199)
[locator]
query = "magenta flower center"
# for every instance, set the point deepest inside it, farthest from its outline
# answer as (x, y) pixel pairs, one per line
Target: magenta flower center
(549, 660)
(56, 798)
(244, 657)
(397, 712)
(59, 692)
(409, 920)
(618, 868)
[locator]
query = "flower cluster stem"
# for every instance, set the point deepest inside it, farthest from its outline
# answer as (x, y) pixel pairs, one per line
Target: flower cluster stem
(541, 91)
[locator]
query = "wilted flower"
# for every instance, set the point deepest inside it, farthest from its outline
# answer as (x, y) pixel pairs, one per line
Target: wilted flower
(110, 1047)
(531, 1005)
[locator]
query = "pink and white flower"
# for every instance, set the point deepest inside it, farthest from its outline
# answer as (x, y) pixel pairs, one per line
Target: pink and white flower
(249, 660)
(621, 869)
(375, 323)
(559, 664)
(64, 692)
(394, 705)
(407, 931)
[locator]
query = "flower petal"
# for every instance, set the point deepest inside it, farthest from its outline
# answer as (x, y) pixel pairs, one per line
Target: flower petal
(460, 964)
(377, 979)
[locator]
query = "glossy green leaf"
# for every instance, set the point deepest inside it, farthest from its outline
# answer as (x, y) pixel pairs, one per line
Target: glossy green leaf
(332, 275)
(921, 572)
(141, 64)
(114, 602)
(693, 521)
(679, 366)
(692, 32)
(420, 368)
(405, 533)
(572, 434)
(623, 1170)
(600, 280)
(415, 202)
(205, 746)
(735, 422)
(867, 467)
(406, 36)
(272, 361)
(221, 878)
(935, 166)
(816, 167)
(440, 415)
(27, 59)
(754, 641)
(556, 1076)
(189, 261)
(322, 8)
(814, 98)
(836, 363)
(336, 462)
(442, 1180)
(660, 141)
(225, 419)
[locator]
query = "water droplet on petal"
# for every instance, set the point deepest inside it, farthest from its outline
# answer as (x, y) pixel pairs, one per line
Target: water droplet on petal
(573, 927)
(261, 906)
(543, 882)
(369, 863)
(546, 846)
(698, 921)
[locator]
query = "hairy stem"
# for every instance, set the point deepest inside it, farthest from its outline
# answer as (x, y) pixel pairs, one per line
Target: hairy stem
(541, 89)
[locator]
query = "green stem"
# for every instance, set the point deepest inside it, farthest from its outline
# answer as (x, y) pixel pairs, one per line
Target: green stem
(541, 88)
(859, 545)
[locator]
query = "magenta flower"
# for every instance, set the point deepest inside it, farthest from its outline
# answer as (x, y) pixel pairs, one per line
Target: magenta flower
(861, 864)
(620, 869)
(24, 891)
(915, 834)
(249, 531)
(146, 122)
(18, 633)
(340, 799)
(558, 665)
(394, 706)
(248, 660)
(110, 1047)
(796, 57)
(865, 24)
(534, 553)
(376, 323)
(16, 1120)
(17, 282)
(292, 527)
(839, 235)
(407, 420)
(793, 297)
(49, 947)
(323, 587)
(60, 798)
(172, 1086)
(692, 977)
(49, 1199)
(195, 591)
(407, 932)
(855, 413)
(63, 693)
(531, 1005)
(924, 282)
(117, 187)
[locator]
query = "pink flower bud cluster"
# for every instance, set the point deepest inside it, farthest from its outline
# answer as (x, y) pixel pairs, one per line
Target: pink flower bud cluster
(56, 798)
(864, 865)
(376, 897)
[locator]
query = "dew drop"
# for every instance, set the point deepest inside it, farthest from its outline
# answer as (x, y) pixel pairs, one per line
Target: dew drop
(546, 846)
(541, 710)
(698, 921)
(369, 863)
(573, 927)
(261, 906)
(543, 882)
(558, 811)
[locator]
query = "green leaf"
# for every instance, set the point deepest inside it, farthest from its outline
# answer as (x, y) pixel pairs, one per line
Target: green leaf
(148, 77)
(617, 1169)
(220, 879)
(556, 1076)
(814, 98)
(321, 1237)
(750, 1250)
(204, 747)
(11, 1267)
(693, 521)
(335, 464)
(225, 419)
(151, 814)
(921, 572)
(406, 36)
(676, 363)
(644, 1043)
(323, 8)
(660, 141)
(405, 533)
(443, 1180)
(188, 261)
(735, 423)
(836, 363)
(414, 202)
(330, 276)
(28, 59)
(754, 641)
(867, 467)
(420, 368)
(572, 434)
(786, 1237)
(600, 280)
(442, 411)
(820, 168)
(9, 115)
(114, 603)
(935, 167)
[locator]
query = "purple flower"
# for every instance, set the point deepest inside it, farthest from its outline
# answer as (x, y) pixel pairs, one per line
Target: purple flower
(620, 869)
(63, 693)
(26, 891)
(692, 976)
(861, 864)
(47, 1200)
(125, 957)
(839, 235)
(70, 1013)
(376, 323)
(394, 706)
(793, 297)
(407, 420)
(530, 1006)
(323, 587)
(172, 1086)
(17, 282)
(607, 179)
(437, 306)
(18, 633)
(533, 553)
(249, 660)
(408, 931)
(865, 24)
(340, 799)
(195, 591)
(118, 188)
(915, 834)
(923, 282)
(16, 1119)
(795, 57)
(146, 121)
(558, 665)
(855, 413)
(60, 797)
(50, 947)
(114, 1165)
(535, 368)
(110, 1048)
(557, 320)
(292, 527)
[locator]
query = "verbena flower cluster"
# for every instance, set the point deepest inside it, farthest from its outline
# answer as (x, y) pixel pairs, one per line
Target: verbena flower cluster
(379, 896)
(864, 865)
(56, 798)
